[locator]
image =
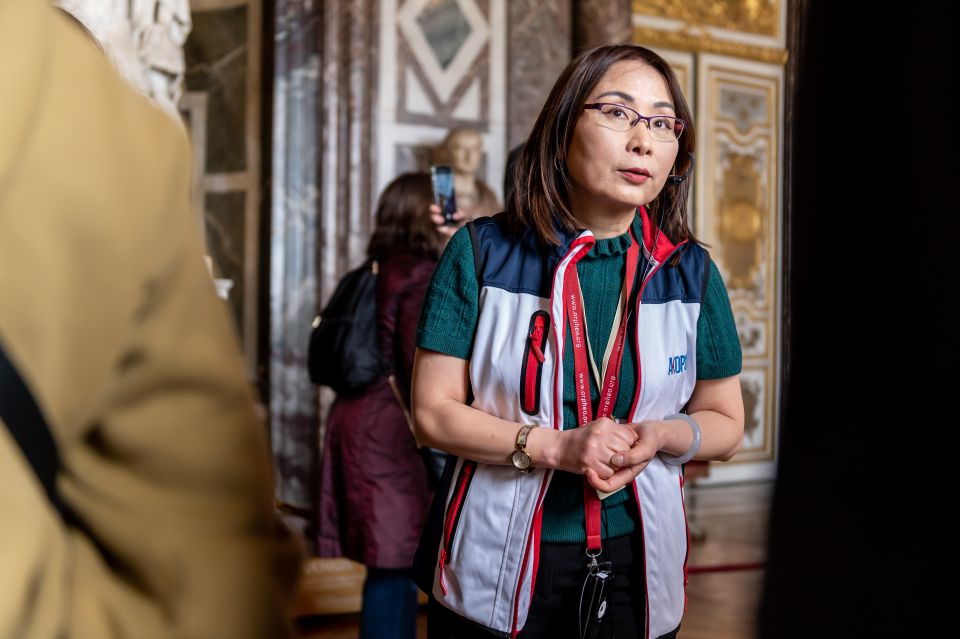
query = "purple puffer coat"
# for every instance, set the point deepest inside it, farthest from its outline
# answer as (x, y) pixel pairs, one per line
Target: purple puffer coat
(374, 494)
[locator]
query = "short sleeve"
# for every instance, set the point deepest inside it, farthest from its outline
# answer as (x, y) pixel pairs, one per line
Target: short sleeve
(448, 322)
(718, 345)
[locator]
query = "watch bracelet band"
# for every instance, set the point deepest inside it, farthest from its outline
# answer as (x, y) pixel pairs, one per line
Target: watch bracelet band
(523, 433)
(520, 446)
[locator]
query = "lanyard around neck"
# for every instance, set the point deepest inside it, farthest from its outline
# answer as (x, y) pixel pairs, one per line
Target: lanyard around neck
(608, 380)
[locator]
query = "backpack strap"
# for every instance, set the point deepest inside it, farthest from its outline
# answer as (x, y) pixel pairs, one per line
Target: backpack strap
(23, 418)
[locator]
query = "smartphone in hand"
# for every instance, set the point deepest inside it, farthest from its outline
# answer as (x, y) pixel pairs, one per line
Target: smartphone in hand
(443, 195)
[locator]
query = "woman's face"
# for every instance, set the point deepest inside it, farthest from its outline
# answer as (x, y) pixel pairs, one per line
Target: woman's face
(613, 172)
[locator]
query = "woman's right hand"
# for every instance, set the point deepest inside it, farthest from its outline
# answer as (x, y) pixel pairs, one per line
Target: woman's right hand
(591, 447)
(447, 230)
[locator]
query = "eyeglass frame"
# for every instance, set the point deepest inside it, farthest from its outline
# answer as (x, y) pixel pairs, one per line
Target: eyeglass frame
(645, 118)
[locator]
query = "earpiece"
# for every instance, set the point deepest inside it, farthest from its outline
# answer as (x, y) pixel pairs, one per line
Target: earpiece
(678, 179)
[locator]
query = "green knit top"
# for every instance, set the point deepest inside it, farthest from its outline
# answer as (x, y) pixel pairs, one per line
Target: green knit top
(448, 324)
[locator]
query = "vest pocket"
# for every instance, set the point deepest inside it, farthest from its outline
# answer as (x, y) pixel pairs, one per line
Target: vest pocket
(452, 518)
(533, 359)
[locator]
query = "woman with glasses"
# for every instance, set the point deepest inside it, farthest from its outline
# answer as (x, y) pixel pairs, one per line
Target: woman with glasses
(573, 352)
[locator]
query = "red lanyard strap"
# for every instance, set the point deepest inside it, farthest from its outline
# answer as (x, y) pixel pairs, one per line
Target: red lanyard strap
(608, 380)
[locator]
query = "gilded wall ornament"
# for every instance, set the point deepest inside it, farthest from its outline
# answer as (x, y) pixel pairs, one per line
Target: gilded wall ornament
(751, 29)
(761, 17)
(740, 222)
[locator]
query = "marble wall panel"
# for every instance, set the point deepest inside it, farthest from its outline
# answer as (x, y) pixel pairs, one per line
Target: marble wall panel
(226, 240)
(599, 22)
(468, 104)
(221, 109)
(432, 79)
(217, 66)
(442, 58)
(411, 157)
(539, 35)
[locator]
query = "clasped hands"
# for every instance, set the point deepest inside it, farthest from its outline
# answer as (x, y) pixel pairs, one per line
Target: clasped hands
(608, 454)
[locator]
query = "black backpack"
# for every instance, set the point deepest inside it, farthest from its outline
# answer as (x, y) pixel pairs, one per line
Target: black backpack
(344, 351)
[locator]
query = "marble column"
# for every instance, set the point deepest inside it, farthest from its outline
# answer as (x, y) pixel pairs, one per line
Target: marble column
(321, 211)
(598, 22)
(349, 75)
(538, 50)
(294, 246)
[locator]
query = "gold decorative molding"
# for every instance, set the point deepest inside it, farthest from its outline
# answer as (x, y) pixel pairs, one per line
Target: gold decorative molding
(740, 223)
(683, 64)
(738, 213)
(688, 40)
(760, 17)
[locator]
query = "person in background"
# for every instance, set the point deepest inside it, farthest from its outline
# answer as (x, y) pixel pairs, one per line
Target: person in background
(136, 491)
(374, 485)
(573, 353)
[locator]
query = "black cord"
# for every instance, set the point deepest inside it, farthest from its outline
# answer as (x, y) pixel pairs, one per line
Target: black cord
(606, 551)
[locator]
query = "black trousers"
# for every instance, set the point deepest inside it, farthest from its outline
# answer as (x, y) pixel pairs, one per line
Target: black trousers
(556, 596)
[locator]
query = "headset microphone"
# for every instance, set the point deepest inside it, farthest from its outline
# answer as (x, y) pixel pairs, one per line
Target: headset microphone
(678, 179)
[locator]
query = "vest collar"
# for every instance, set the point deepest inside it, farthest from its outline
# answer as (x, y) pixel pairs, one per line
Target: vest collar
(664, 245)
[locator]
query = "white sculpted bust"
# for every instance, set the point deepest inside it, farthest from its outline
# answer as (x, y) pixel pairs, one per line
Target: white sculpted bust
(143, 39)
(463, 149)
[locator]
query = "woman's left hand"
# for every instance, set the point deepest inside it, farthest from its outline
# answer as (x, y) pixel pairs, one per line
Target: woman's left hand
(630, 463)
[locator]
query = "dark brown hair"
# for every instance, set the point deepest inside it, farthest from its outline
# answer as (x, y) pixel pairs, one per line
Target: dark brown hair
(403, 221)
(541, 196)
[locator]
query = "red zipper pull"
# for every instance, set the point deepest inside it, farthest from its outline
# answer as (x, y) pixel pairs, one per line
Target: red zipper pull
(443, 560)
(536, 339)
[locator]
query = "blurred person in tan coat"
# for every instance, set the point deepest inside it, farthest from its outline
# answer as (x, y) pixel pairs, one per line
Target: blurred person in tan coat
(109, 316)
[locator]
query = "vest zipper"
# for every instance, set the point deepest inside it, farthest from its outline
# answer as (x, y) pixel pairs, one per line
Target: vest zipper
(633, 408)
(453, 516)
(636, 320)
(533, 540)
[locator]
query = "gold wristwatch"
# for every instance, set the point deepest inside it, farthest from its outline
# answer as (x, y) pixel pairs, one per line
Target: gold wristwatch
(520, 457)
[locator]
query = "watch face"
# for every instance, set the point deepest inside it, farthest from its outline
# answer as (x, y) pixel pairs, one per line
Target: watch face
(521, 460)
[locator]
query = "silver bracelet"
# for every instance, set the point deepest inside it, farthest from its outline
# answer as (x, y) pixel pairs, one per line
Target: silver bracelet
(694, 447)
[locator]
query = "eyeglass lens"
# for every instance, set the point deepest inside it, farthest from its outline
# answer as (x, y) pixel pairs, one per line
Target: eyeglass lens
(620, 118)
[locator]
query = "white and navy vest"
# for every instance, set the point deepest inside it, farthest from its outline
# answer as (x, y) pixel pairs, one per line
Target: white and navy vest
(479, 552)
